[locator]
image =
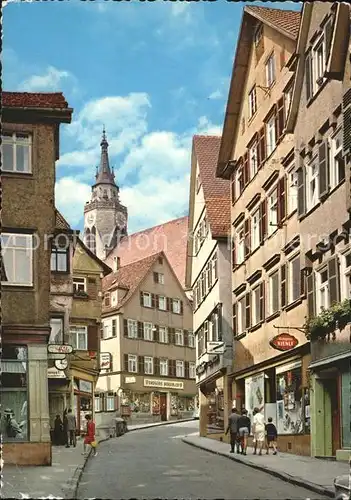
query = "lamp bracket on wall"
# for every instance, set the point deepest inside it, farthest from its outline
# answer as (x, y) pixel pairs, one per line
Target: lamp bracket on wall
(266, 90)
(301, 329)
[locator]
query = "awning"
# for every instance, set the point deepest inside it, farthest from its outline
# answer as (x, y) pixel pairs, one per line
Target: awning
(330, 360)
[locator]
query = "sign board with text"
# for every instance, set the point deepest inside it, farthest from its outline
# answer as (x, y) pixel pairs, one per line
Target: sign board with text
(55, 373)
(60, 349)
(85, 386)
(164, 384)
(284, 342)
(105, 361)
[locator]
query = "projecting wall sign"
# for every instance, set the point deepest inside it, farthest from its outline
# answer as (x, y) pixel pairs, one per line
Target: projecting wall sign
(284, 342)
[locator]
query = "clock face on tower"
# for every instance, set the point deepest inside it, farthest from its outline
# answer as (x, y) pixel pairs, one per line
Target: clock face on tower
(90, 218)
(121, 219)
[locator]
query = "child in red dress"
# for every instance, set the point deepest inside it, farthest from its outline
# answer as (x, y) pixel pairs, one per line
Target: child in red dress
(89, 438)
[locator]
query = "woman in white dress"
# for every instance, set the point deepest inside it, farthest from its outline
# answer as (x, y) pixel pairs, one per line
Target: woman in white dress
(258, 428)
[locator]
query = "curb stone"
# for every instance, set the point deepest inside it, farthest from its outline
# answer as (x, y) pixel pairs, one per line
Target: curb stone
(158, 424)
(281, 475)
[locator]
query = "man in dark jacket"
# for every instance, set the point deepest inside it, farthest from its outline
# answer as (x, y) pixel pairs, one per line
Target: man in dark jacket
(233, 428)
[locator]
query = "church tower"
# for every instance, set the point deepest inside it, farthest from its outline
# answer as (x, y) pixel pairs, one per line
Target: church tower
(105, 219)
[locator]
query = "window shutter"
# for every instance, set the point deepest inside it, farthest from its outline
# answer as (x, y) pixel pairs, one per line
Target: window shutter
(333, 280)
(246, 172)
(126, 368)
(263, 221)
(247, 237)
(92, 288)
(262, 301)
(323, 154)
(328, 38)
(311, 295)
(156, 366)
(156, 333)
(233, 254)
(302, 282)
(301, 194)
(308, 77)
(107, 299)
(186, 369)
(156, 277)
(169, 304)
(346, 108)
(125, 329)
(261, 147)
(186, 338)
(281, 199)
(93, 338)
(140, 330)
(141, 298)
(232, 186)
(154, 300)
(181, 307)
(171, 367)
(171, 335)
(248, 310)
(141, 364)
(280, 118)
(235, 319)
(283, 286)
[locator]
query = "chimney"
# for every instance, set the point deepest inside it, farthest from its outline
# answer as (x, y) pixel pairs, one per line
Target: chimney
(116, 263)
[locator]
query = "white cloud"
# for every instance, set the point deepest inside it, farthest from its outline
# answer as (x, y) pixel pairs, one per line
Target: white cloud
(50, 81)
(206, 127)
(70, 198)
(217, 94)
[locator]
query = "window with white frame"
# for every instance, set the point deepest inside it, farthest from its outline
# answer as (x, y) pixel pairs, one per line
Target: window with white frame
(191, 339)
(16, 153)
(322, 290)
(241, 323)
(97, 403)
(271, 135)
(287, 100)
(79, 337)
(240, 184)
(256, 305)
(148, 333)
(214, 268)
(148, 365)
(163, 334)
(253, 160)
(176, 306)
(272, 211)
(337, 164)
(240, 244)
(270, 70)
(132, 328)
(162, 303)
(192, 370)
(312, 184)
(292, 191)
(346, 284)
(164, 367)
(255, 229)
(273, 295)
(160, 278)
(147, 300)
(294, 277)
(110, 402)
(179, 337)
(252, 102)
(214, 325)
(179, 368)
(114, 328)
(17, 259)
(56, 335)
(79, 285)
(319, 61)
(132, 363)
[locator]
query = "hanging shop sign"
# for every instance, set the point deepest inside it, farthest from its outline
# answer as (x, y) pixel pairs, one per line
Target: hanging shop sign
(60, 348)
(165, 384)
(284, 342)
(105, 361)
(85, 386)
(53, 372)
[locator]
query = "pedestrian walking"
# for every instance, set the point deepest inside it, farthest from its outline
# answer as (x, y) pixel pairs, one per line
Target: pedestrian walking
(58, 430)
(258, 428)
(244, 427)
(271, 436)
(65, 428)
(89, 438)
(233, 428)
(71, 429)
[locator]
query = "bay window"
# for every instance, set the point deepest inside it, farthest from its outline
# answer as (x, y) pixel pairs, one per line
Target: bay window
(17, 259)
(79, 337)
(16, 153)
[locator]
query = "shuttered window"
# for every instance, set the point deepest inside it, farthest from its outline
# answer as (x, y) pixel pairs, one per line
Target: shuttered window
(308, 77)
(323, 159)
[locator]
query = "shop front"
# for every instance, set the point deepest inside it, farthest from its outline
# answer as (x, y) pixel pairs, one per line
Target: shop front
(282, 392)
(59, 394)
(83, 398)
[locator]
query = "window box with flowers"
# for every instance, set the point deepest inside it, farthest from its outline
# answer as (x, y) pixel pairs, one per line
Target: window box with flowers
(336, 317)
(81, 294)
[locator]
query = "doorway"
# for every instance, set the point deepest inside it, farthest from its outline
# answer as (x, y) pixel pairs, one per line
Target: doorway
(163, 406)
(333, 388)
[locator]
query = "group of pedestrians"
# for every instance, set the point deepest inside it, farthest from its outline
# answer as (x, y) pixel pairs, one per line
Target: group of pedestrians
(240, 427)
(65, 432)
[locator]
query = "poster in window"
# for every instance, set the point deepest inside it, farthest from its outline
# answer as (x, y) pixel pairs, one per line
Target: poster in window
(254, 393)
(290, 401)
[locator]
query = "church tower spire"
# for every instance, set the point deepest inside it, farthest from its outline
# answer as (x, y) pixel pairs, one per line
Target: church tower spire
(105, 218)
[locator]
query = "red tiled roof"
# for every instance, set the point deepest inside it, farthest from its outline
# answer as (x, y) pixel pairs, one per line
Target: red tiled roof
(216, 191)
(34, 100)
(283, 20)
(170, 237)
(129, 277)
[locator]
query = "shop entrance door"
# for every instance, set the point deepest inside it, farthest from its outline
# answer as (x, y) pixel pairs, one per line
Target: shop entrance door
(163, 406)
(333, 390)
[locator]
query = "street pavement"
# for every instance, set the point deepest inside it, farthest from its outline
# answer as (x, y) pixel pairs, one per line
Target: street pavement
(156, 463)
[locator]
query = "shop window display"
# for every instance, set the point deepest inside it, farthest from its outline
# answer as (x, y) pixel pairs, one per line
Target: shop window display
(14, 396)
(292, 403)
(215, 412)
(140, 402)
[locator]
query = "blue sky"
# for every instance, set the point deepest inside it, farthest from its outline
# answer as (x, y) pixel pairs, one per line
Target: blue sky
(155, 73)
